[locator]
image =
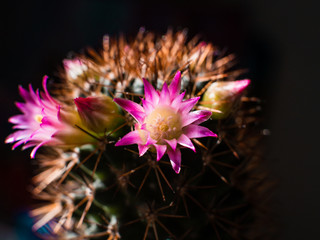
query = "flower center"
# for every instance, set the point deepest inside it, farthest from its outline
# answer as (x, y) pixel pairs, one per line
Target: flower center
(163, 123)
(38, 118)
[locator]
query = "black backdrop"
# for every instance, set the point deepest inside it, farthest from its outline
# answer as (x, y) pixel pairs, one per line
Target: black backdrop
(277, 40)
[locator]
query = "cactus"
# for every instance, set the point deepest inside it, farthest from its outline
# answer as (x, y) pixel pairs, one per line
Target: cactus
(152, 138)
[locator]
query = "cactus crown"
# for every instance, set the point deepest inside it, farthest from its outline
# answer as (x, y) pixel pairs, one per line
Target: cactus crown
(109, 133)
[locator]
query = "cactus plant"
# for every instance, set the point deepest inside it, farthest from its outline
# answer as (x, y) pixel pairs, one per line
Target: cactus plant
(151, 138)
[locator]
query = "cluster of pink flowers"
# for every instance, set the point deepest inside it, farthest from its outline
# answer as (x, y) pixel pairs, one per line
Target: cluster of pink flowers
(164, 121)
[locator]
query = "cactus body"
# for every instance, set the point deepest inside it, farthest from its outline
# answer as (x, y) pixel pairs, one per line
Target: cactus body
(144, 173)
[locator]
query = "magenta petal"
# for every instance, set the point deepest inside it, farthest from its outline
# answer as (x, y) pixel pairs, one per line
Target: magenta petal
(196, 117)
(175, 159)
(17, 119)
(177, 101)
(44, 85)
(172, 143)
(195, 131)
(34, 150)
(187, 105)
(142, 149)
(17, 144)
(147, 106)
(150, 93)
(240, 85)
(26, 95)
(139, 116)
(164, 95)
(131, 107)
(183, 140)
(18, 135)
(133, 137)
(150, 141)
(161, 149)
(175, 85)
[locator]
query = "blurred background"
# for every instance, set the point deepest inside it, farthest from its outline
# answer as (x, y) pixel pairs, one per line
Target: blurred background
(278, 41)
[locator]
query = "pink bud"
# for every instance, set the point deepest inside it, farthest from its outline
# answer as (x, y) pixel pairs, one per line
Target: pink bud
(222, 95)
(98, 114)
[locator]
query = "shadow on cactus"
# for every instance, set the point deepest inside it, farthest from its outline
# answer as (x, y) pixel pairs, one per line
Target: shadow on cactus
(152, 138)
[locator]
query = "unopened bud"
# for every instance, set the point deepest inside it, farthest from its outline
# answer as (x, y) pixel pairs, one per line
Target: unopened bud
(99, 114)
(220, 96)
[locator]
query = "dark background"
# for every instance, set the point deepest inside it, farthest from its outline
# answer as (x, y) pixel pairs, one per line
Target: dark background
(277, 40)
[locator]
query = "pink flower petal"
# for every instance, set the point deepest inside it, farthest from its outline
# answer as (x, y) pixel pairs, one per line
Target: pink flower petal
(44, 85)
(183, 140)
(139, 116)
(34, 150)
(161, 149)
(26, 95)
(177, 101)
(150, 141)
(17, 144)
(18, 135)
(187, 105)
(131, 107)
(29, 145)
(17, 119)
(175, 159)
(175, 85)
(147, 106)
(195, 131)
(172, 143)
(240, 85)
(196, 117)
(142, 149)
(150, 93)
(133, 137)
(164, 95)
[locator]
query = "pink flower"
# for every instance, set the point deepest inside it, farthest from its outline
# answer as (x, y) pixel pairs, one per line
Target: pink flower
(164, 121)
(43, 122)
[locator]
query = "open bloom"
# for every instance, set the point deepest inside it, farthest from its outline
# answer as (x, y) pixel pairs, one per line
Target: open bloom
(44, 122)
(164, 121)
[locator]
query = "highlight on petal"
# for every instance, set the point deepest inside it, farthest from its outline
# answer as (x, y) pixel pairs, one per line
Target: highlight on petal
(172, 143)
(177, 101)
(133, 108)
(195, 131)
(187, 105)
(186, 142)
(44, 85)
(134, 137)
(142, 149)
(34, 150)
(147, 106)
(196, 117)
(175, 159)
(161, 149)
(164, 95)
(150, 93)
(175, 85)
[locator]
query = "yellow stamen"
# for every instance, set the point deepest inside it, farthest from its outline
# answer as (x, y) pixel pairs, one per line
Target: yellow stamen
(164, 123)
(38, 118)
